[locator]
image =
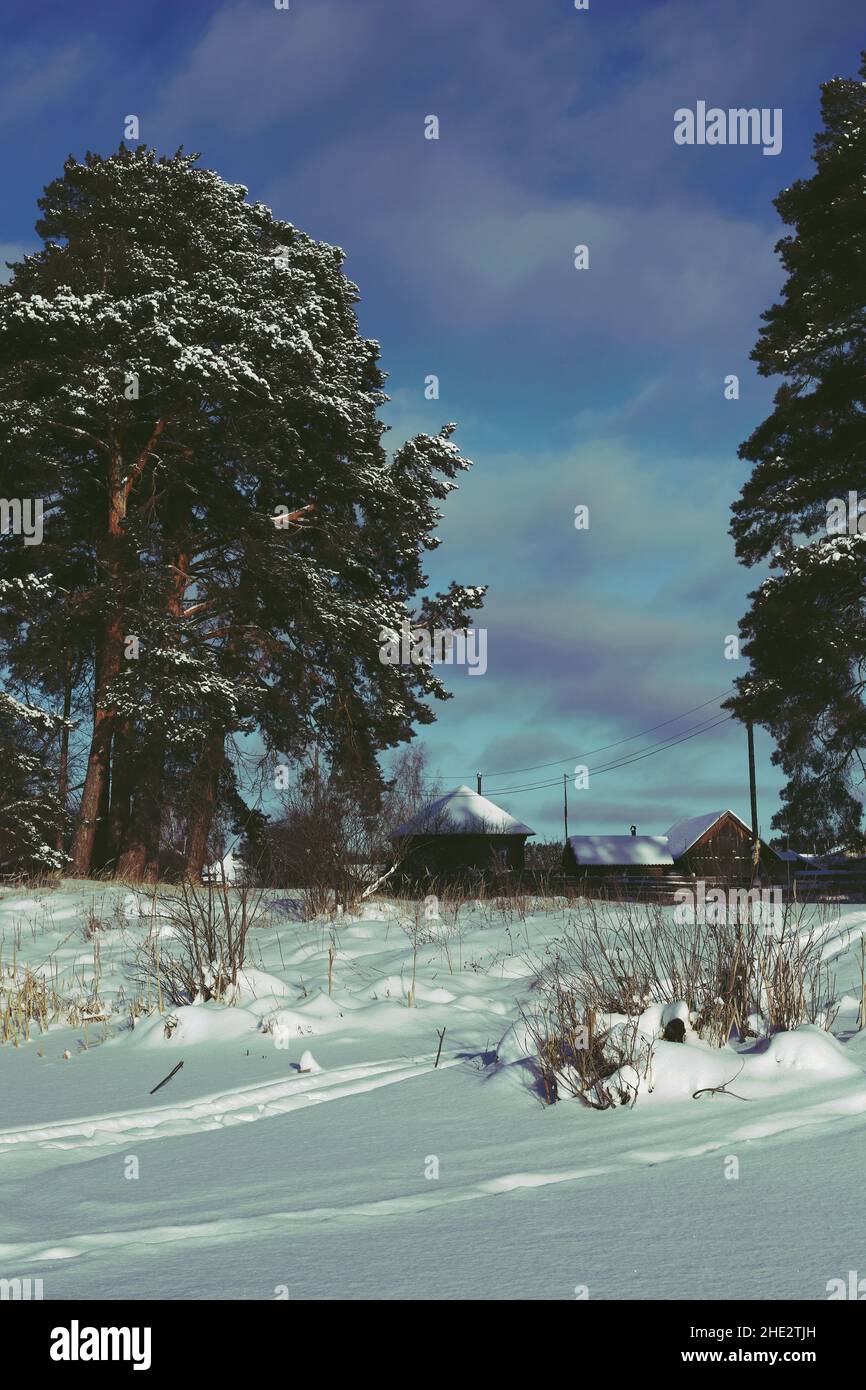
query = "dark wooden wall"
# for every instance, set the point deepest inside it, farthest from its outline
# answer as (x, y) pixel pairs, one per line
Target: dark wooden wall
(443, 856)
(725, 852)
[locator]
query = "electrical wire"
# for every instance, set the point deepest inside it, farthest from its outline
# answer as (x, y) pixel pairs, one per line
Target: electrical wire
(705, 726)
(537, 767)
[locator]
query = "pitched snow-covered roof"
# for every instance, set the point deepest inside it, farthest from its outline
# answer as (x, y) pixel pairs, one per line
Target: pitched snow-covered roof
(462, 812)
(620, 849)
(685, 833)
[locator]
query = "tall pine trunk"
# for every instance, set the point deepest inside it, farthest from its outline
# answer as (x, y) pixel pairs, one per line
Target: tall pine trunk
(139, 859)
(94, 795)
(122, 784)
(63, 769)
(203, 799)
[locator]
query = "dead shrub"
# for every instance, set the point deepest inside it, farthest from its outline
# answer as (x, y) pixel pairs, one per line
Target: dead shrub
(738, 978)
(207, 948)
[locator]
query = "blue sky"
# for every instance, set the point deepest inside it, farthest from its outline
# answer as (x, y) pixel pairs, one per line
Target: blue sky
(601, 387)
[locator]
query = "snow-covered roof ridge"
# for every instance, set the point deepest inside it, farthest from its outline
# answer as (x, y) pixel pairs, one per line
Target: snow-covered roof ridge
(684, 833)
(620, 849)
(462, 812)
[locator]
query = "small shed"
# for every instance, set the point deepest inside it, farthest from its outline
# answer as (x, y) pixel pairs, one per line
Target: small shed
(459, 834)
(601, 855)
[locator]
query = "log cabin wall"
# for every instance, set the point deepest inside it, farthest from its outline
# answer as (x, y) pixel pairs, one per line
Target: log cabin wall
(443, 856)
(724, 852)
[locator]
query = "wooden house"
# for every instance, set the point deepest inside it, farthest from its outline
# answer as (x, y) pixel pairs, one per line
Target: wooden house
(458, 835)
(716, 845)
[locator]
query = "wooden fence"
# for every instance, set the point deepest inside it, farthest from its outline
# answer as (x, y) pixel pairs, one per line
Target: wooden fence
(838, 887)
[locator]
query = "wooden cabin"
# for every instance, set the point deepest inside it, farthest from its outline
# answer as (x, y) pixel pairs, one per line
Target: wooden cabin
(716, 845)
(459, 835)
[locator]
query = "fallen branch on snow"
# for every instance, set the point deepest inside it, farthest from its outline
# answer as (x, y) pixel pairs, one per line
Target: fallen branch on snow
(166, 1079)
(721, 1090)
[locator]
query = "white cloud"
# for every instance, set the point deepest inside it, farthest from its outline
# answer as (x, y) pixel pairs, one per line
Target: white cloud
(35, 78)
(254, 64)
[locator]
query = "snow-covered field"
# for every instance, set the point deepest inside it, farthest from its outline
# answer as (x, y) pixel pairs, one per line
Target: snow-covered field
(308, 1148)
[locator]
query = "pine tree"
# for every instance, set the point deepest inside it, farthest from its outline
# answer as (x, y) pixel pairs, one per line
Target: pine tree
(805, 632)
(182, 376)
(30, 812)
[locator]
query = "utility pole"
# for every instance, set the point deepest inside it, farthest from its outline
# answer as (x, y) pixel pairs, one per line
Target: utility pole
(478, 783)
(565, 803)
(753, 796)
(752, 790)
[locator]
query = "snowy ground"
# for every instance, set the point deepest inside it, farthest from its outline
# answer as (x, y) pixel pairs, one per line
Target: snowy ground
(258, 1179)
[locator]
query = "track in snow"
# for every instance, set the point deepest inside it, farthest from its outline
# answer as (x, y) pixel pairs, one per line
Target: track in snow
(241, 1105)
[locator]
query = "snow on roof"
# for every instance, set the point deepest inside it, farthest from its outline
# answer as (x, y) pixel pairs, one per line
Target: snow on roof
(684, 833)
(620, 849)
(462, 812)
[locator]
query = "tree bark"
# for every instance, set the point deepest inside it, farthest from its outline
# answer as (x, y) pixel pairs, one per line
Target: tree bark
(122, 773)
(139, 860)
(110, 653)
(108, 665)
(203, 803)
(99, 855)
(63, 770)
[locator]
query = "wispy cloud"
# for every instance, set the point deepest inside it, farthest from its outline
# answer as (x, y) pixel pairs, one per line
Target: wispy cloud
(254, 65)
(37, 78)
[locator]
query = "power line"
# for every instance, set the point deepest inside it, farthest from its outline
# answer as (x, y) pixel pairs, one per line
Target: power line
(618, 743)
(538, 767)
(624, 762)
(684, 738)
(704, 728)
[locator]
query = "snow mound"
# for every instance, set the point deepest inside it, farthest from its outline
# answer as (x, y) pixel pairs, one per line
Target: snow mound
(255, 985)
(194, 1024)
(676, 1071)
(673, 1071)
(396, 986)
(809, 1049)
(515, 1045)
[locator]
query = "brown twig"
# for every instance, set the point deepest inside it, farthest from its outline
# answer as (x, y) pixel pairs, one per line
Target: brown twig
(721, 1090)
